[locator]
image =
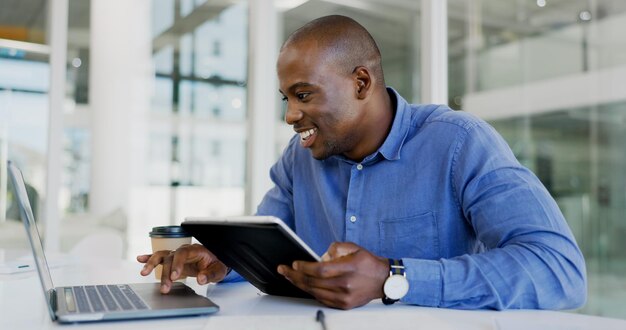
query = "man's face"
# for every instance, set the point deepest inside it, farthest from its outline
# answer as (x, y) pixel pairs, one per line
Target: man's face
(322, 104)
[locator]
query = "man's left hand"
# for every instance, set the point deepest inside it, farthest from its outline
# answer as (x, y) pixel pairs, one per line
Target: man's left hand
(348, 276)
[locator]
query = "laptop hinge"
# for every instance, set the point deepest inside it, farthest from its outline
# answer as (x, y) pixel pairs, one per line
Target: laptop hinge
(52, 297)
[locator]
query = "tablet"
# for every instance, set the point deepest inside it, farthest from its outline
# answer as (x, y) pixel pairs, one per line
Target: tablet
(254, 246)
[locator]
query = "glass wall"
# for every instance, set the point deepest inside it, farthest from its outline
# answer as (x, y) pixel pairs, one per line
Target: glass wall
(549, 76)
(192, 139)
(76, 160)
(24, 86)
(196, 152)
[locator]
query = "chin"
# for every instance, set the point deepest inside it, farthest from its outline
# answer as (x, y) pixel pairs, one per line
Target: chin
(323, 153)
(319, 156)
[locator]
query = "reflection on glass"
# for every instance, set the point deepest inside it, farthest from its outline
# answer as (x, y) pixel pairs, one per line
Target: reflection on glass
(76, 175)
(163, 15)
(220, 46)
(23, 137)
(494, 44)
(24, 85)
(192, 153)
(197, 131)
(535, 61)
(76, 157)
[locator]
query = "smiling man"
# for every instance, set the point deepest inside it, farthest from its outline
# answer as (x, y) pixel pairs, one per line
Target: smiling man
(412, 203)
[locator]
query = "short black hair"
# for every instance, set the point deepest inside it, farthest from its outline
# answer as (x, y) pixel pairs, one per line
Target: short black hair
(346, 42)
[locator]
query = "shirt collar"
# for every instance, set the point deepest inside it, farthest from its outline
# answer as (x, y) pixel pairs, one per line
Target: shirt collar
(399, 129)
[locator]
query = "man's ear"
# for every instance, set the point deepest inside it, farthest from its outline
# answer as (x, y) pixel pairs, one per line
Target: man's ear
(363, 82)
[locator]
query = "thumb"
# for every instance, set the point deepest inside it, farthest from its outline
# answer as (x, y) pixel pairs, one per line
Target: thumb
(214, 273)
(339, 249)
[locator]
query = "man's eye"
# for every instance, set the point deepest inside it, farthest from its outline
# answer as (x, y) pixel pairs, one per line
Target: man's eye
(302, 96)
(284, 99)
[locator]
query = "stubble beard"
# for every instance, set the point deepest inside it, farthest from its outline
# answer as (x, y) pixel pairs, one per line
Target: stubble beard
(330, 149)
(335, 148)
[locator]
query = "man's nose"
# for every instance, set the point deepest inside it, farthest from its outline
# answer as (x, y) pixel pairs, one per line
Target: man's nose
(292, 115)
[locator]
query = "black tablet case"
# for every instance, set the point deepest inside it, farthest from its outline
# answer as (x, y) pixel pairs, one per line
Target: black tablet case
(254, 251)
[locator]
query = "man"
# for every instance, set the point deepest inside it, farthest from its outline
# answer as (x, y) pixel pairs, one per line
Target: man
(437, 191)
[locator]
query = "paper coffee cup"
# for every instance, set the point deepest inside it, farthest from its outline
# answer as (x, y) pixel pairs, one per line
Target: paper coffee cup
(167, 238)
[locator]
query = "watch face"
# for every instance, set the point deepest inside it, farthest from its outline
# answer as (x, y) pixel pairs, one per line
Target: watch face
(396, 286)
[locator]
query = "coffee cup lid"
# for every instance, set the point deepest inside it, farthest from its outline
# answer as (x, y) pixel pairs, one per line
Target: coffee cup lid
(169, 232)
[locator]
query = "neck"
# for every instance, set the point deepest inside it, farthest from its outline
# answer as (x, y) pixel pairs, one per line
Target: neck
(379, 117)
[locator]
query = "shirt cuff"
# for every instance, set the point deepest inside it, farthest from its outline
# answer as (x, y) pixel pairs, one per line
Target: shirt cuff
(232, 276)
(425, 283)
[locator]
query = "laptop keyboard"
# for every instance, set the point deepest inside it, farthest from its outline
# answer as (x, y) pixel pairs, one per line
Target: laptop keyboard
(102, 298)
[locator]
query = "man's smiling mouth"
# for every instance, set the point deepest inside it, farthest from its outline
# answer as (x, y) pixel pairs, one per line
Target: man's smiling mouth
(308, 137)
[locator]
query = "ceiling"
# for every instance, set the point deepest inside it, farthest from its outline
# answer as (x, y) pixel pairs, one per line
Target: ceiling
(393, 23)
(33, 13)
(23, 13)
(384, 16)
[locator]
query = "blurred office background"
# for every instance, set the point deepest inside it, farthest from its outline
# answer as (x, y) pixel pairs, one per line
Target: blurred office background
(125, 115)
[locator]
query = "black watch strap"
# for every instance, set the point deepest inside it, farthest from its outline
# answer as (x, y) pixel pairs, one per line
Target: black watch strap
(389, 301)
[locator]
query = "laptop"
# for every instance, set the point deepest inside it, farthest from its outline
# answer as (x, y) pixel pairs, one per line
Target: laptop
(92, 303)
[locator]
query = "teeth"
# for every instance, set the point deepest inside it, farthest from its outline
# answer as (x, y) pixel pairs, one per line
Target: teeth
(305, 135)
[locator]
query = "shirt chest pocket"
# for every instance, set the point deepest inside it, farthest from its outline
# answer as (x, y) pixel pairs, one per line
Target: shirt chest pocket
(410, 237)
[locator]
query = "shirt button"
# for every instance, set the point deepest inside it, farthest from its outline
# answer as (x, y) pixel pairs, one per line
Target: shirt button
(353, 219)
(359, 167)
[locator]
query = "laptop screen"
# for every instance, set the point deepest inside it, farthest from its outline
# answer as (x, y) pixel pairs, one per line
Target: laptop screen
(33, 234)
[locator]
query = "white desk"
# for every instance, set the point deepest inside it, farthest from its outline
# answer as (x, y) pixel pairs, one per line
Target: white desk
(242, 306)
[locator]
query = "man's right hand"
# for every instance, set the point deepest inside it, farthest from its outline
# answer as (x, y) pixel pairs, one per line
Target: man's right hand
(187, 260)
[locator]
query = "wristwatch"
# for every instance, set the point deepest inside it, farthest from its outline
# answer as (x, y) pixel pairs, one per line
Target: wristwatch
(396, 285)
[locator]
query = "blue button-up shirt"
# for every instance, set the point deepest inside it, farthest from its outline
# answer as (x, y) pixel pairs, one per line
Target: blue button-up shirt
(474, 228)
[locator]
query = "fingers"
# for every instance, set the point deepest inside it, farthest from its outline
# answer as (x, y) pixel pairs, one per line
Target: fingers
(310, 283)
(200, 262)
(332, 298)
(143, 258)
(336, 292)
(187, 260)
(152, 261)
(351, 278)
(179, 259)
(340, 249)
(215, 272)
(328, 269)
(202, 278)
(166, 282)
(325, 256)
